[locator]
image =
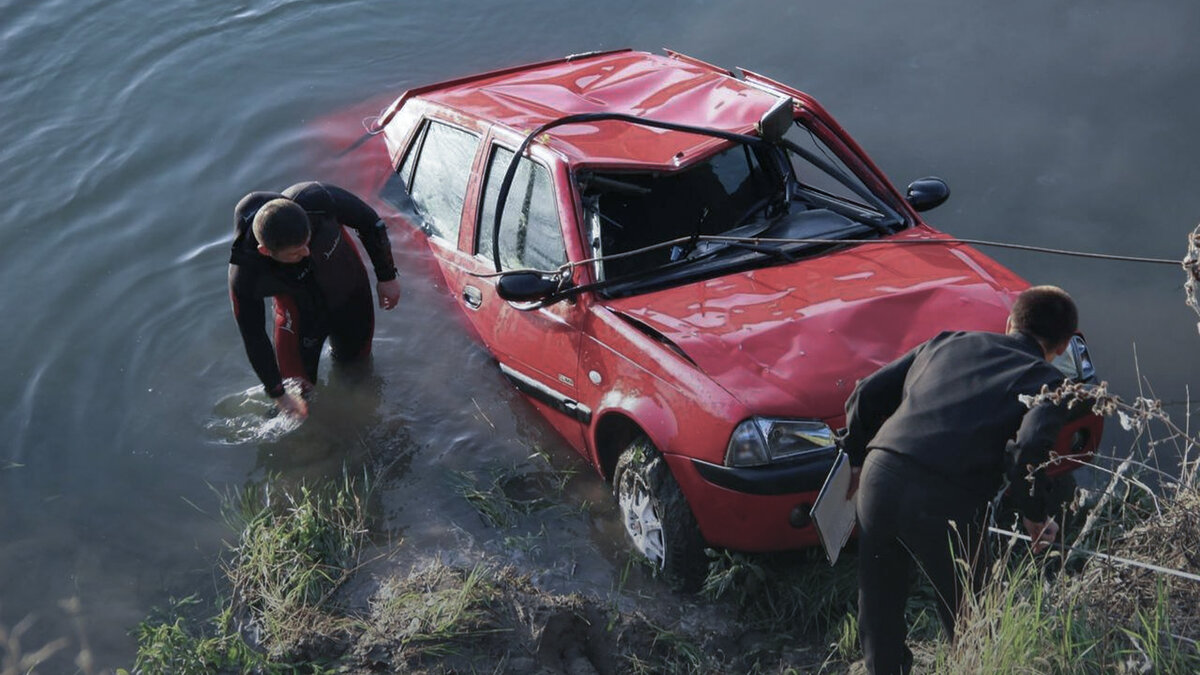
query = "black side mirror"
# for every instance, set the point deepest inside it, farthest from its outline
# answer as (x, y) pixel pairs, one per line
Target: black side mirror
(525, 287)
(926, 193)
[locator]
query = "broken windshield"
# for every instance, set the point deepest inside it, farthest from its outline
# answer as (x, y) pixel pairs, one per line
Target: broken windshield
(797, 191)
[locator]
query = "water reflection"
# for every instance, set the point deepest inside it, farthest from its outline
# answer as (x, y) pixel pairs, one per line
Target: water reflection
(131, 128)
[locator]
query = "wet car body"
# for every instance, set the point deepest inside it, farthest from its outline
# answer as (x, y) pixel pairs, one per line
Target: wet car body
(661, 366)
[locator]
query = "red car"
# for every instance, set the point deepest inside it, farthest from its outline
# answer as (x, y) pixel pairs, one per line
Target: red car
(694, 267)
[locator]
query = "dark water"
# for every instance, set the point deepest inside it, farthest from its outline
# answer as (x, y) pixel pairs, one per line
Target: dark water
(130, 128)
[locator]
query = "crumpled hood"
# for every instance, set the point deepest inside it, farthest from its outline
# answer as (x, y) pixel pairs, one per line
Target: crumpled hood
(793, 339)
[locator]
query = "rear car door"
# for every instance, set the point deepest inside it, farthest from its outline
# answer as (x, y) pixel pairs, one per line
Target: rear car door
(434, 185)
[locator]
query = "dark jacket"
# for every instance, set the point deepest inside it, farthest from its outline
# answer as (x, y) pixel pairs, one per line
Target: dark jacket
(951, 405)
(318, 284)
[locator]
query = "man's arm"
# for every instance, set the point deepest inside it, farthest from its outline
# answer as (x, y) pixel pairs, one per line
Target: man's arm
(874, 400)
(347, 209)
(354, 213)
(251, 318)
(1027, 473)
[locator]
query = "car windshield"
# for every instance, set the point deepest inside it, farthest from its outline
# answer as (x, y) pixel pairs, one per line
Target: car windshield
(798, 190)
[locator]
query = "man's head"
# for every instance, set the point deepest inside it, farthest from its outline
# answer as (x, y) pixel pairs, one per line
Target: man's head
(282, 230)
(1048, 315)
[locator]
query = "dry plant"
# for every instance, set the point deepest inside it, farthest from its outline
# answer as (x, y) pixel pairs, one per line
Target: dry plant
(1146, 524)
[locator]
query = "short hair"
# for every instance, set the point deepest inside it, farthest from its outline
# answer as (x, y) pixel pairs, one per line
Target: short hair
(280, 224)
(1045, 313)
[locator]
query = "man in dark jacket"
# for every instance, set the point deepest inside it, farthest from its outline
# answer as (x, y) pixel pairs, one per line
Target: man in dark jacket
(291, 247)
(929, 432)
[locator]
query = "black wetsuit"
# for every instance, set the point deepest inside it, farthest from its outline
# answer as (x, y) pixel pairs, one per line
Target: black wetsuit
(931, 429)
(326, 295)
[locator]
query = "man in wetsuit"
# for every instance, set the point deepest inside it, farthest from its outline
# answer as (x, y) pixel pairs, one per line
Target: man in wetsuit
(291, 247)
(929, 432)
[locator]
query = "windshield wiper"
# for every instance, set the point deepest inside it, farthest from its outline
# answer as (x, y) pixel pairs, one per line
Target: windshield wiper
(719, 246)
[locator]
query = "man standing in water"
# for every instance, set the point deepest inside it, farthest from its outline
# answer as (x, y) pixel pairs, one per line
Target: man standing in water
(290, 247)
(929, 432)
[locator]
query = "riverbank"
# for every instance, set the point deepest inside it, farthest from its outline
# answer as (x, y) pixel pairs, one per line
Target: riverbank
(310, 593)
(309, 587)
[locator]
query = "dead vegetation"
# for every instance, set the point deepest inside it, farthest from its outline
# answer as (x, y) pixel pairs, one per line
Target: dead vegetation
(1171, 540)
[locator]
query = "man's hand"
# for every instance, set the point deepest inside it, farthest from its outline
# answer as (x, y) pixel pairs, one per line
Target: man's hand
(389, 293)
(853, 487)
(1043, 534)
(293, 405)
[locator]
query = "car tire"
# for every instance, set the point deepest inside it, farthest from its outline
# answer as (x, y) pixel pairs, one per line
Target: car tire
(656, 516)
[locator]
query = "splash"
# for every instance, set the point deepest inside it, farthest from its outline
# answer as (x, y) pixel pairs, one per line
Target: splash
(250, 417)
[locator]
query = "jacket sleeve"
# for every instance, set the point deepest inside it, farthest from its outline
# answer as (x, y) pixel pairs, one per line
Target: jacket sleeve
(872, 402)
(1035, 437)
(353, 212)
(251, 319)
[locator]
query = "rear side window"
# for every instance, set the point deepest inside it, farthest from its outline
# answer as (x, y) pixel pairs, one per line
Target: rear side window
(530, 233)
(432, 181)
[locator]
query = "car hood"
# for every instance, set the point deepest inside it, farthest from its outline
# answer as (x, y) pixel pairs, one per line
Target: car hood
(793, 339)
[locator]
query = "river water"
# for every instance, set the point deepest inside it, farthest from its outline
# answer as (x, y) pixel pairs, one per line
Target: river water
(130, 128)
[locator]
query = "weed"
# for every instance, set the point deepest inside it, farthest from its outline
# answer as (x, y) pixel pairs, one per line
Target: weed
(296, 547)
(670, 652)
(797, 590)
(507, 494)
(433, 612)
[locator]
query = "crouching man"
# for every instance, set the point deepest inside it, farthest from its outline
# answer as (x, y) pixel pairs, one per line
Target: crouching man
(290, 246)
(929, 432)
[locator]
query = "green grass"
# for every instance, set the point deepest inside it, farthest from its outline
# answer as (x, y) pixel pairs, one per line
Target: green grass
(503, 495)
(800, 590)
(437, 611)
(172, 643)
(296, 546)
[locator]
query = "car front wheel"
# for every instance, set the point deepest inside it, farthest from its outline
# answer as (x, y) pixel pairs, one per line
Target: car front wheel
(656, 516)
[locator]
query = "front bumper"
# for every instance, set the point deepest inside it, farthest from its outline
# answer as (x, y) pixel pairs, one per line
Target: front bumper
(754, 509)
(766, 508)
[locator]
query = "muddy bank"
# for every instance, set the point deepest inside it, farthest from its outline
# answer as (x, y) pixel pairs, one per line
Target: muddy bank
(440, 619)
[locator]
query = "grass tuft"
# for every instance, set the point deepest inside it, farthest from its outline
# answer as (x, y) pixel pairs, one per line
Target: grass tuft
(295, 549)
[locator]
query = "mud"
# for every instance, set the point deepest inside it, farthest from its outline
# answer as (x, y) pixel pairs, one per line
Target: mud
(443, 619)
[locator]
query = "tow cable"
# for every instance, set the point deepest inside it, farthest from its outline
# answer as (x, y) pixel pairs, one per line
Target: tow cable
(1190, 263)
(1064, 548)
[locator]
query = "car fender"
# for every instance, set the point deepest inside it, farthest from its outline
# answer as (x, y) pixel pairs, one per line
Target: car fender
(633, 382)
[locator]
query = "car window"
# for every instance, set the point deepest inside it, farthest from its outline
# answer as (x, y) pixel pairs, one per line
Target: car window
(812, 178)
(530, 232)
(432, 180)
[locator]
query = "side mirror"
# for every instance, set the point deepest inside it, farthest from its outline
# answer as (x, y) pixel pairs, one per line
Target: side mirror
(525, 287)
(776, 121)
(926, 193)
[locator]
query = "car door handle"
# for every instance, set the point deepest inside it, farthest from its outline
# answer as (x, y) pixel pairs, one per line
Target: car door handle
(472, 297)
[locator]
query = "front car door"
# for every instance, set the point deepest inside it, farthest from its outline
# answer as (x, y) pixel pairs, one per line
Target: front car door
(538, 349)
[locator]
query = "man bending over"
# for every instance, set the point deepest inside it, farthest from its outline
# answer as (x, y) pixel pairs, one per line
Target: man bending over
(290, 247)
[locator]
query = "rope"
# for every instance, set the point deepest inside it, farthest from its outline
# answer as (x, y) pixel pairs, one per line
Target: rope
(973, 242)
(1104, 556)
(1191, 263)
(1057, 251)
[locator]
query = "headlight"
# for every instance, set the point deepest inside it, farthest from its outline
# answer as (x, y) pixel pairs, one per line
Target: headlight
(762, 440)
(1075, 363)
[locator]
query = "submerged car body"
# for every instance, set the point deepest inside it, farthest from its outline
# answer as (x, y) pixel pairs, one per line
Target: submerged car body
(703, 285)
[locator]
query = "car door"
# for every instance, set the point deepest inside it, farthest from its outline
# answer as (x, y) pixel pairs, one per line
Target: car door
(537, 349)
(433, 186)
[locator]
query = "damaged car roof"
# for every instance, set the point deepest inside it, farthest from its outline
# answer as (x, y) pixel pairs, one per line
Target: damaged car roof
(668, 88)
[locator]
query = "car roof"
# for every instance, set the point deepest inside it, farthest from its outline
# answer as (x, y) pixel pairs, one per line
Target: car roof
(671, 88)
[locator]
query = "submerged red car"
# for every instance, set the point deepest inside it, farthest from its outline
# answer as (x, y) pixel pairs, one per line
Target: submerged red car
(690, 270)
